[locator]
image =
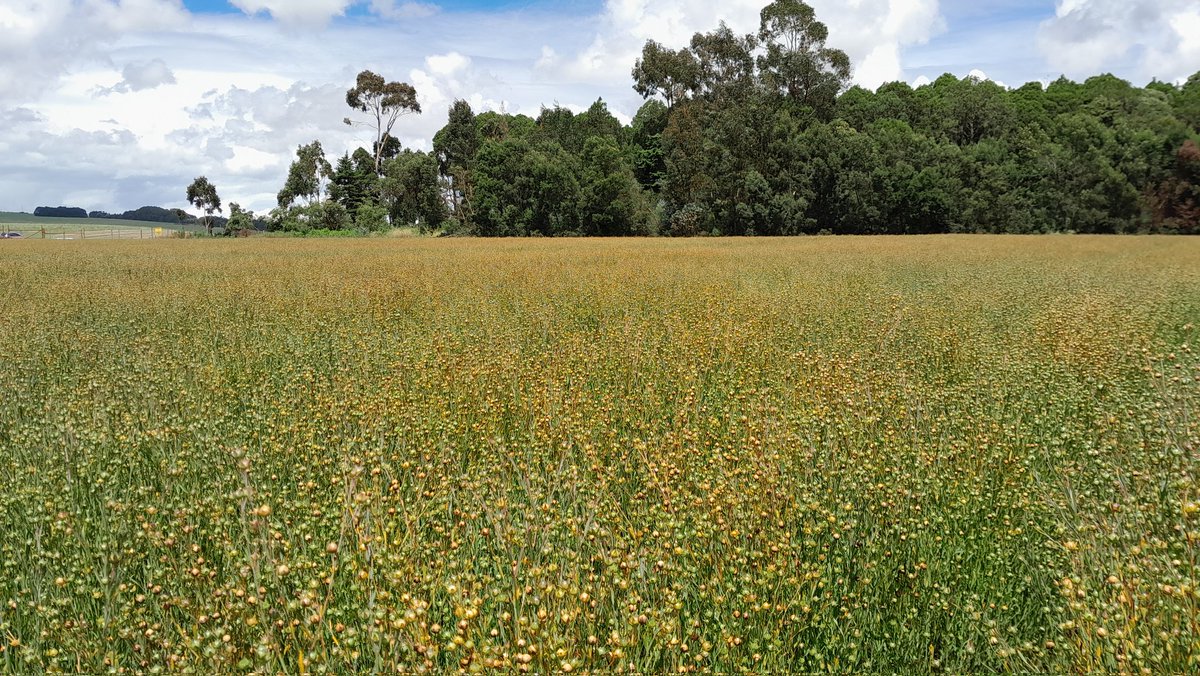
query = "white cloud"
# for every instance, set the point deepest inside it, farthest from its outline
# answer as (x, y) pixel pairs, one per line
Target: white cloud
(246, 92)
(873, 32)
(444, 78)
(244, 160)
(142, 75)
(447, 64)
(42, 38)
(1156, 38)
(249, 136)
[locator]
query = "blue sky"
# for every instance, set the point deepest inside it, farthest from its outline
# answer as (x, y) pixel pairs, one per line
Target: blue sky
(984, 10)
(115, 104)
(211, 6)
(576, 6)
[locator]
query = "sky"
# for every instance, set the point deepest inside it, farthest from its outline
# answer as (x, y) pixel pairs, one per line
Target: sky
(115, 104)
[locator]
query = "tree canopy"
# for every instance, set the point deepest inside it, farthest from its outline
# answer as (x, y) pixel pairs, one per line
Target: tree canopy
(383, 103)
(202, 194)
(60, 212)
(307, 176)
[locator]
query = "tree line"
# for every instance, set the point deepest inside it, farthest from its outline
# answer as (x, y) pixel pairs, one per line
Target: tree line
(60, 212)
(761, 134)
(146, 214)
(149, 215)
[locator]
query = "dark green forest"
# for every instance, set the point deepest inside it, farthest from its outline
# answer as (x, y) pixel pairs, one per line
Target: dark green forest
(761, 134)
(60, 212)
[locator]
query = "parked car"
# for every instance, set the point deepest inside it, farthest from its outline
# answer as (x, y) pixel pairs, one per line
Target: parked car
(10, 235)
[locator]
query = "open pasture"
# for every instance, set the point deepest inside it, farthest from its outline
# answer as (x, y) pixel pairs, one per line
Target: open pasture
(12, 220)
(916, 455)
(42, 227)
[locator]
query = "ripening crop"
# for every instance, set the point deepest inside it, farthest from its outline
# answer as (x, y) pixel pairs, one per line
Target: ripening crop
(946, 454)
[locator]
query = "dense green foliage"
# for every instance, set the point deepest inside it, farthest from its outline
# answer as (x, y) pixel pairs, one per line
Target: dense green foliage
(757, 134)
(239, 219)
(307, 177)
(561, 174)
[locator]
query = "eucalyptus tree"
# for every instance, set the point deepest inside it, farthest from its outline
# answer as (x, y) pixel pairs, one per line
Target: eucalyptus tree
(307, 177)
(455, 147)
(795, 61)
(383, 103)
(669, 73)
(726, 63)
(202, 194)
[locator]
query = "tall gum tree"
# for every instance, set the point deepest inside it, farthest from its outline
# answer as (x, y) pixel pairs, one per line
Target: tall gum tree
(383, 103)
(665, 72)
(796, 61)
(455, 147)
(202, 194)
(307, 177)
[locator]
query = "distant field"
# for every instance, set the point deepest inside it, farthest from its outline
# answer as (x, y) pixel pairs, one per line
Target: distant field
(924, 455)
(28, 224)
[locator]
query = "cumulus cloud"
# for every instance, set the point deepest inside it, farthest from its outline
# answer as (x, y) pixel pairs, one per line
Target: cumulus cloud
(447, 64)
(444, 78)
(1159, 38)
(43, 38)
(246, 92)
(269, 119)
(34, 162)
(248, 136)
(873, 32)
(142, 75)
(14, 116)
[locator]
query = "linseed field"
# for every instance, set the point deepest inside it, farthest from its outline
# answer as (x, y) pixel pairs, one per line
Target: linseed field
(916, 455)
